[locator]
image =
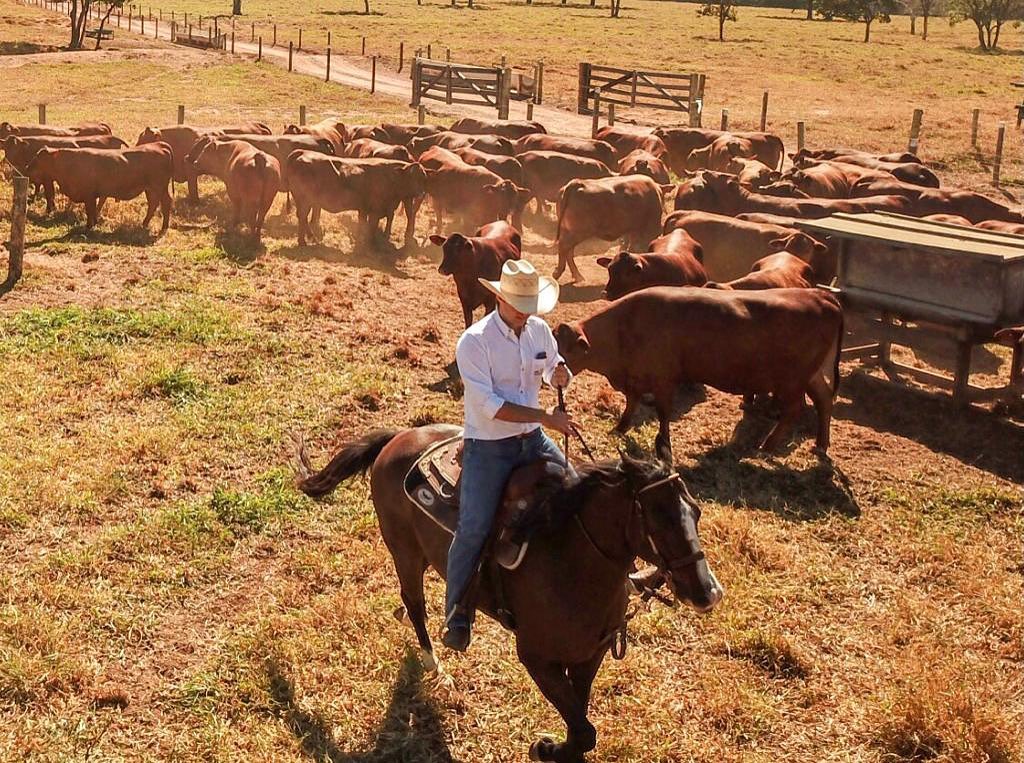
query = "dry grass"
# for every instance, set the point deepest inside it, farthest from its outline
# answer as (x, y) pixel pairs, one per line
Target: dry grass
(167, 595)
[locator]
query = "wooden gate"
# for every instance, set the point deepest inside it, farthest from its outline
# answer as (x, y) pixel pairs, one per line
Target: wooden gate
(461, 83)
(639, 89)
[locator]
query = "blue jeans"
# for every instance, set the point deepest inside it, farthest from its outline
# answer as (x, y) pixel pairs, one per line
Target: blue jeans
(486, 467)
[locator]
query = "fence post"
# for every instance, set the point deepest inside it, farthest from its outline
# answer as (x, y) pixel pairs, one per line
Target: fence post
(725, 119)
(300, 38)
(764, 111)
(401, 56)
(328, 38)
(416, 74)
(232, 41)
(328, 77)
(362, 49)
(448, 54)
(799, 136)
(611, 114)
(42, 113)
(156, 29)
(429, 56)
(583, 93)
(538, 88)
(259, 49)
(302, 114)
(998, 162)
(691, 106)
(16, 248)
(975, 114)
(421, 115)
(915, 131)
(289, 55)
(448, 86)
(373, 75)
(274, 43)
(529, 111)
(505, 92)
(596, 116)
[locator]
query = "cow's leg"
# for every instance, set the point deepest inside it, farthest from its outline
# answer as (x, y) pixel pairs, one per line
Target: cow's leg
(792, 404)
(821, 396)
(438, 216)
(302, 213)
(632, 400)
(90, 212)
(51, 194)
(411, 207)
(553, 681)
(152, 202)
(99, 206)
(166, 205)
(663, 399)
(193, 185)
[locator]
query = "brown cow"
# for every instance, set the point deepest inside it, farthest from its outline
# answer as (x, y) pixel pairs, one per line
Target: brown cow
(590, 149)
(74, 131)
(278, 146)
(951, 220)
(779, 341)
(908, 172)
(731, 247)
(751, 172)
(781, 270)
(331, 129)
(625, 139)
(608, 208)
(469, 258)
(1001, 226)
(511, 129)
(898, 157)
(90, 175)
(375, 132)
(718, 154)
(680, 141)
(372, 187)
(181, 139)
(930, 201)
(546, 172)
(474, 193)
(674, 260)
(252, 178)
(507, 167)
(491, 144)
(643, 162)
(368, 148)
(20, 151)
(400, 134)
(715, 192)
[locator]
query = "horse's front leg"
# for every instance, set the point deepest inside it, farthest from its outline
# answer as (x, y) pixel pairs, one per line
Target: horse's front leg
(570, 700)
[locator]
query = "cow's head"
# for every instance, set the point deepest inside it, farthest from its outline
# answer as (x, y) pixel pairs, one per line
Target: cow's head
(625, 274)
(40, 166)
(324, 146)
(458, 254)
(810, 250)
(417, 146)
(149, 135)
(294, 130)
(504, 198)
(654, 146)
(699, 159)
(573, 345)
(7, 129)
(415, 178)
(193, 157)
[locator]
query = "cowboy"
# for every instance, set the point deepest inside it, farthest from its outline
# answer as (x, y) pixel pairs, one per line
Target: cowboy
(502, 358)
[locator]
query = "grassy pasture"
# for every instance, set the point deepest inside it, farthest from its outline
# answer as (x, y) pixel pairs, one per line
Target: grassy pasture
(166, 594)
(847, 92)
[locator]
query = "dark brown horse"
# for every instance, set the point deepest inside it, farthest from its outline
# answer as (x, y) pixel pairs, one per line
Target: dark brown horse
(568, 596)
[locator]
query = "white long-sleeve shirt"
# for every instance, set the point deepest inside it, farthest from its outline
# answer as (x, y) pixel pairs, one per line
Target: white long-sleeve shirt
(498, 367)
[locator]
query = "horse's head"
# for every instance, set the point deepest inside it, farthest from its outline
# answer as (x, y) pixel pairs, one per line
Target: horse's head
(669, 520)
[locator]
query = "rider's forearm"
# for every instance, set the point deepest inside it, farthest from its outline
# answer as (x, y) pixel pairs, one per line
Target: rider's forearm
(521, 414)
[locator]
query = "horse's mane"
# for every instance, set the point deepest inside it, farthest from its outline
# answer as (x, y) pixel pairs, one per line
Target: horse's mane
(560, 498)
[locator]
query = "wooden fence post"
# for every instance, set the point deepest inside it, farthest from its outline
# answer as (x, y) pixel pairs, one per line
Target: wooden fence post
(373, 75)
(16, 247)
(692, 100)
(274, 43)
(421, 115)
(416, 75)
(448, 54)
(611, 114)
(429, 56)
(328, 38)
(529, 111)
(799, 136)
(362, 49)
(538, 88)
(156, 29)
(504, 92)
(42, 113)
(259, 49)
(302, 114)
(448, 87)
(596, 117)
(328, 77)
(975, 114)
(401, 56)
(232, 41)
(725, 119)
(998, 162)
(583, 93)
(290, 55)
(764, 111)
(300, 38)
(915, 131)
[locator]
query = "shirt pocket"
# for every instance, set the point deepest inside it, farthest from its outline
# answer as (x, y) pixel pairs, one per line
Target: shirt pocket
(537, 370)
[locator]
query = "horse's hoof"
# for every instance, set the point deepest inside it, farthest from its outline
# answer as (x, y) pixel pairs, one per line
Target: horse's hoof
(430, 663)
(541, 749)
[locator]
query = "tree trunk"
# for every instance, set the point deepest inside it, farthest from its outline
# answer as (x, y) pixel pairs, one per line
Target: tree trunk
(721, 23)
(924, 30)
(366, 7)
(981, 35)
(810, 10)
(913, 24)
(593, 3)
(103, 24)
(995, 40)
(867, 29)
(236, 7)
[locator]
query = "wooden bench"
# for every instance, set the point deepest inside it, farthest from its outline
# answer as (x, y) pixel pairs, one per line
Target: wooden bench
(100, 34)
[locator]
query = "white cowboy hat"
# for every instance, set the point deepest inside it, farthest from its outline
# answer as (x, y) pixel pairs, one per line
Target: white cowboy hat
(522, 288)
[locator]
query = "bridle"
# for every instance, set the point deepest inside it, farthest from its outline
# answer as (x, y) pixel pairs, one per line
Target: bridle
(662, 562)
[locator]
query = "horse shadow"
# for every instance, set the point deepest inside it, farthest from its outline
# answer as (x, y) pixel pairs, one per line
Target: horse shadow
(970, 435)
(450, 383)
(411, 728)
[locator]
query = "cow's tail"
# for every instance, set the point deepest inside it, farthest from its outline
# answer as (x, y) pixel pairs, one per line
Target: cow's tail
(839, 353)
(354, 457)
(568, 190)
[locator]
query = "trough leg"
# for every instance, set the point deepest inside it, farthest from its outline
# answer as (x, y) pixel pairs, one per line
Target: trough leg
(962, 374)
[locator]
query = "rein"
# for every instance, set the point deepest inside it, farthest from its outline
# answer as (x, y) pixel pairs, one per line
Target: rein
(575, 431)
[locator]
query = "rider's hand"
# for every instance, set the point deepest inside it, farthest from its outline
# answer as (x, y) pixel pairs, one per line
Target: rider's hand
(559, 420)
(560, 377)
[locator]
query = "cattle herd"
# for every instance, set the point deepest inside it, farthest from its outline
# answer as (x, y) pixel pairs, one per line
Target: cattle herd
(733, 230)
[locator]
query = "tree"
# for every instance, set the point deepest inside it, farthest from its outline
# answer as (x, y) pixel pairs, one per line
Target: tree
(79, 11)
(616, 6)
(725, 10)
(867, 11)
(236, 7)
(928, 8)
(810, 10)
(988, 16)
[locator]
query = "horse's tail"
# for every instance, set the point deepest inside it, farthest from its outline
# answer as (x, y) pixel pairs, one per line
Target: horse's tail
(353, 458)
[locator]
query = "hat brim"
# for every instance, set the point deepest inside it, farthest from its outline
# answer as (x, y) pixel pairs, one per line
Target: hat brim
(544, 302)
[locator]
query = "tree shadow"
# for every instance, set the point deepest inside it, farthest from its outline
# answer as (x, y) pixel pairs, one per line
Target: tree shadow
(723, 476)
(450, 383)
(727, 40)
(351, 13)
(411, 728)
(971, 435)
(11, 48)
(978, 51)
(130, 235)
(241, 248)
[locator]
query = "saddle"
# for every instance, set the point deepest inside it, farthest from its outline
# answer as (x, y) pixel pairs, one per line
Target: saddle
(433, 482)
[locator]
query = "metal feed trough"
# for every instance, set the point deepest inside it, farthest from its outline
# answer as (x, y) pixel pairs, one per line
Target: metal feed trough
(921, 279)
